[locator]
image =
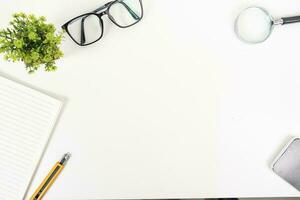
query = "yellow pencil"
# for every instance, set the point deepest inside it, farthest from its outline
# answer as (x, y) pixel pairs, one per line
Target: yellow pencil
(50, 178)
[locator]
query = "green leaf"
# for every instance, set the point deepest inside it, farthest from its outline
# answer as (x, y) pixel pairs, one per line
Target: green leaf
(42, 19)
(27, 59)
(35, 56)
(18, 43)
(32, 36)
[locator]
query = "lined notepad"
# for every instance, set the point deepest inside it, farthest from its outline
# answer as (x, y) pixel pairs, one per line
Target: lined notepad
(27, 118)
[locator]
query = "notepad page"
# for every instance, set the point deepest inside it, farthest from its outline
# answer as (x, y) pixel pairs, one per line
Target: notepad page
(27, 118)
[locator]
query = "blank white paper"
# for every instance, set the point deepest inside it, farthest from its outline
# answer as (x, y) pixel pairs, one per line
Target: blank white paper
(27, 118)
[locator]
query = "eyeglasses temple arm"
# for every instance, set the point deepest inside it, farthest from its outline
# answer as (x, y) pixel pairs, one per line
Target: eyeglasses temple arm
(82, 32)
(132, 13)
(102, 7)
(82, 35)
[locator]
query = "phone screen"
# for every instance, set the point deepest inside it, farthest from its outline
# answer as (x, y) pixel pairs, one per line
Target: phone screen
(287, 166)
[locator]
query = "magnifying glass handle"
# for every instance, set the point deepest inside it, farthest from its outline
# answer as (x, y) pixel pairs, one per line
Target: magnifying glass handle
(290, 20)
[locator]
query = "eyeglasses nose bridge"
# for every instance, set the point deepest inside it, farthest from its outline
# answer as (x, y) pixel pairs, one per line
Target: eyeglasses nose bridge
(102, 13)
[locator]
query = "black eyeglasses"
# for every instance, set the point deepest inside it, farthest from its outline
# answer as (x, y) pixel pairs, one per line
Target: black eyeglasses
(88, 28)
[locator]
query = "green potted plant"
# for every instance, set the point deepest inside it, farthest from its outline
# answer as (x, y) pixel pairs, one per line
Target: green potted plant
(31, 40)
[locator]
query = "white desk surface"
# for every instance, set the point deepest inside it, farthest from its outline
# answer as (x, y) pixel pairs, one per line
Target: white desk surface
(173, 107)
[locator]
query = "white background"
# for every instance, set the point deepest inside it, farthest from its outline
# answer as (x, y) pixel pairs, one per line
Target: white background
(173, 107)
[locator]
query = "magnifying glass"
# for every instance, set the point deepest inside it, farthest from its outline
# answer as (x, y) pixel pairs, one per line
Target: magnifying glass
(255, 25)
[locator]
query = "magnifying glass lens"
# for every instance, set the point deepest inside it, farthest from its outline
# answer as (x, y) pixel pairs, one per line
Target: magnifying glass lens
(253, 25)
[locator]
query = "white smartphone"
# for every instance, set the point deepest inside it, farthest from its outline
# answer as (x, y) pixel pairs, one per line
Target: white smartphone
(287, 164)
